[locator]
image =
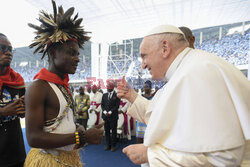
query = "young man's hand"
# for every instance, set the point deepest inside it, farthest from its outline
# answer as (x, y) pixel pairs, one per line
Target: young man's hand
(17, 107)
(94, 135)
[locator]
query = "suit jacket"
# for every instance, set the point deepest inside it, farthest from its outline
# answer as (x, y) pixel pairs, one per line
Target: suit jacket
(111, 104)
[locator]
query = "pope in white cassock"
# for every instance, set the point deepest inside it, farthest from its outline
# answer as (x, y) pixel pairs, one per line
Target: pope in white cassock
(201, 117)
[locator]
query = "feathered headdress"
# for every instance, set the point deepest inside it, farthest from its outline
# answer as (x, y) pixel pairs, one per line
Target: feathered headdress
(59, 27)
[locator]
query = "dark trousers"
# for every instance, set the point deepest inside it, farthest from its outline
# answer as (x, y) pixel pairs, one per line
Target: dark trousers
(110, 125)
(18, 164)
(83, 122)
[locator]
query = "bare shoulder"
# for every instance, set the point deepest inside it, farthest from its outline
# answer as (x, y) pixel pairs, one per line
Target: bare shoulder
(39, 85)
(37, 90)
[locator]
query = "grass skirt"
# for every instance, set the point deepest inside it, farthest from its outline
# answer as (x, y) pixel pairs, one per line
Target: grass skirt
(37, 158)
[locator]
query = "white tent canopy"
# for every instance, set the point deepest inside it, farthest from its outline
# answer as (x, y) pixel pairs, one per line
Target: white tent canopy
(111, 20)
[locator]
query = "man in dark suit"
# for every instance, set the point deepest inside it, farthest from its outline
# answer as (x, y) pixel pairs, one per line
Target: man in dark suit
(110, 104)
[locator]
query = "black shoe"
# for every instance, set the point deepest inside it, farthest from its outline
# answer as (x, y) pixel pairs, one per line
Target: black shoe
(113, 149)
(107, 148)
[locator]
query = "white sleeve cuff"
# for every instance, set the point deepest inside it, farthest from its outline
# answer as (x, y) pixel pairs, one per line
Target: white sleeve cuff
(138, 109)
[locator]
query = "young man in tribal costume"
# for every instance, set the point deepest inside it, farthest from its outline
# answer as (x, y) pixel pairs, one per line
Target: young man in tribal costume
(12, 89)
(50, 126)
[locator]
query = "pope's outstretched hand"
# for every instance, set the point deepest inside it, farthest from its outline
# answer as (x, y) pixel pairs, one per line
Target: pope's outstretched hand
(124, 90)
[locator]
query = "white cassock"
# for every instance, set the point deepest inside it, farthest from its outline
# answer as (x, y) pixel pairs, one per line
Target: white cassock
(124, 105)
(201, 117)
(95, 104)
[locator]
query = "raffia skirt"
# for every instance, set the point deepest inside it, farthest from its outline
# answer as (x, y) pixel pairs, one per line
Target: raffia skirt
(38, 158)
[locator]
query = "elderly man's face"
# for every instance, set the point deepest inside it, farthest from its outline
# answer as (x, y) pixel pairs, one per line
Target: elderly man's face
(151, 55)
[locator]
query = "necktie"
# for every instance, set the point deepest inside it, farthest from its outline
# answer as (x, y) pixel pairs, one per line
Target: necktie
(109, 96)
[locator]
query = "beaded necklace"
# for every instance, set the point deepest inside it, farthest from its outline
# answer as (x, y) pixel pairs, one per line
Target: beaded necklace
(67, 96)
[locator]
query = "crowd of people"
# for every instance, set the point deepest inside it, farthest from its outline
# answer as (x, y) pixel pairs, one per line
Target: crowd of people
(233, 48)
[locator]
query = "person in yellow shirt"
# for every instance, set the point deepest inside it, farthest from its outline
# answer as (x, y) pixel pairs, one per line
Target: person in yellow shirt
(82, 103)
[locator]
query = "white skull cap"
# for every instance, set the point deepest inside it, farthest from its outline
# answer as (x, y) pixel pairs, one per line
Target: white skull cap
(166, 28)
